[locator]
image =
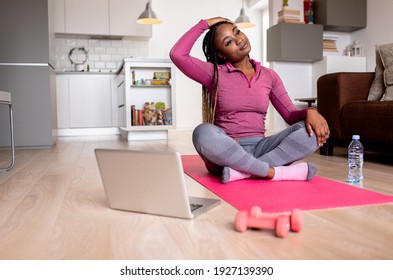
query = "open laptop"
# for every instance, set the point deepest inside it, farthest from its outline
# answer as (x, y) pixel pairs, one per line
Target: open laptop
(148, 182)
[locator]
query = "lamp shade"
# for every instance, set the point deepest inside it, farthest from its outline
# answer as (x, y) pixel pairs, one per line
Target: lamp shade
(148, 16)
(243, 21)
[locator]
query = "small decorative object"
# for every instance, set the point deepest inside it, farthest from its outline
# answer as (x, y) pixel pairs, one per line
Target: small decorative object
(284, 4)
(159, 82)
(160, 118)
(149, 113)
(347, 51)
(168, 116)
(161, 78)
(78, 64)
(356, 49)
(308, 11)
(147, 82)
(139, 82)
(160, 107)
(162, 75)
(132, 77)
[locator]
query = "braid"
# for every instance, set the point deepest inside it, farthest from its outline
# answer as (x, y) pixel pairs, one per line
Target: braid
(210, 51)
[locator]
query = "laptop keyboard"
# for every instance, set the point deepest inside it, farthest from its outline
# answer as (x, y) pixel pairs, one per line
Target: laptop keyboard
(195, 206)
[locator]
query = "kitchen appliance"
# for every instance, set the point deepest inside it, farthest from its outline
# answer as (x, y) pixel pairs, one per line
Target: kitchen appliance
(26, 70)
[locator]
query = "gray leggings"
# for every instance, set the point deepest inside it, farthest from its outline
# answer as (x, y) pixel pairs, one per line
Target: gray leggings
(252, 155)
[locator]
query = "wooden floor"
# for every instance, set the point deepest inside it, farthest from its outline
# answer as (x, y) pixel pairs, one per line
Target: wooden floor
(53, 206)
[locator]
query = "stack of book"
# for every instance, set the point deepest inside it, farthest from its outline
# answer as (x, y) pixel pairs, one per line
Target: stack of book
(329, 44)
(136, 116)
(292, 16)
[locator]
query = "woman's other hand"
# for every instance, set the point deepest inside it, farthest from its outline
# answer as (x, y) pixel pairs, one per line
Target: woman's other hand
(317, 124)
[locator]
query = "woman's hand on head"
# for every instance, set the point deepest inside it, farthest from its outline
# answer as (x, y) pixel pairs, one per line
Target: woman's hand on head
(212, 21)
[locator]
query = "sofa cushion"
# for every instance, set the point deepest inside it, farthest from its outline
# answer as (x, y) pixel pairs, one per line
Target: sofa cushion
(372, 120)
(386, 52)
(377, 88)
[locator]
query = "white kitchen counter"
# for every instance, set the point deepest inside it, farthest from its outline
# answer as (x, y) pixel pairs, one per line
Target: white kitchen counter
(84, 73)
(86, 103)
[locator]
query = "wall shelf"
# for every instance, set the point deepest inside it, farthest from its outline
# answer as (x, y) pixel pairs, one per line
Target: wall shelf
(151, 86)
(294, 42)
(341, 15)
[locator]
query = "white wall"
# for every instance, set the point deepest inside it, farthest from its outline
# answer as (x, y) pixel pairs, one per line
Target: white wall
(179, 16)
(378, 31)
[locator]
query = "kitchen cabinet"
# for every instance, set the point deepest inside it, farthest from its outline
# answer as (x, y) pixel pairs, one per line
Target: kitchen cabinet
(87, 17)
(119, 89)
(59, 16)
(122, 18)
(142, 83)
(101, 18)
(85, 101)
(63, 101)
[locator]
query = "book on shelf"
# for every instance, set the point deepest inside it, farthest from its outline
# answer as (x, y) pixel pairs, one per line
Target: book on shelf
(330, 37)
(290, 16)
(290, 20)
(136, 116)
(133, 119)
(288, 12)
(331, 50)
(329, 44)
(140, 117)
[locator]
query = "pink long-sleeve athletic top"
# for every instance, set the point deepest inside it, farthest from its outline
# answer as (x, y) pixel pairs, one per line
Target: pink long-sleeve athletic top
(241, 103)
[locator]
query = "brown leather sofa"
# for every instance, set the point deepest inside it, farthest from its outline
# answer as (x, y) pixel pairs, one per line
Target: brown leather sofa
(342, 100)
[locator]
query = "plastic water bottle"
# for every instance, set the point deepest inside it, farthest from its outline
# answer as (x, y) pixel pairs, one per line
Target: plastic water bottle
(355, 160)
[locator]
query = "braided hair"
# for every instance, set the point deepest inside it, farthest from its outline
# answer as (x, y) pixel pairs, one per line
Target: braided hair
(209, 99)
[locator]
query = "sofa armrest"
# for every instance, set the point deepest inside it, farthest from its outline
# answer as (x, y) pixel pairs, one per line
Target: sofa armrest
(334, 90)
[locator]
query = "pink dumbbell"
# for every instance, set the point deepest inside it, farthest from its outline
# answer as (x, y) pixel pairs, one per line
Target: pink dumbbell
(280, 224)
(295, 217)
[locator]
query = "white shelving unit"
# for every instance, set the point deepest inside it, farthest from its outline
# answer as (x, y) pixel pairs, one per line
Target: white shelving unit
(136, 94)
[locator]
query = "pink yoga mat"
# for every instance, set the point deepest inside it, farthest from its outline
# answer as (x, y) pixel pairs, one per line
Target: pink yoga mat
(282, 196)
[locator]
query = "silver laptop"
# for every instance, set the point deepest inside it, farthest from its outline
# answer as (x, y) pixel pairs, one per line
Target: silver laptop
(148, 182)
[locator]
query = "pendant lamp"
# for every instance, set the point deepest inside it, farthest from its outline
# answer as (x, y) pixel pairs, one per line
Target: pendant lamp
(243, 21)
(148, 16)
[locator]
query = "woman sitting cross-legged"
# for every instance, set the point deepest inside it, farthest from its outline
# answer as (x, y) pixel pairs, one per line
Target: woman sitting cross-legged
(238, 92)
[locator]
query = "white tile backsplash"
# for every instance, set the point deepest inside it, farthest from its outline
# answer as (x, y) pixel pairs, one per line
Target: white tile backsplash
(104, 55)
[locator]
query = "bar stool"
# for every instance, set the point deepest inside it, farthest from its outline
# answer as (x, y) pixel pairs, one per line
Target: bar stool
(5, 99)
